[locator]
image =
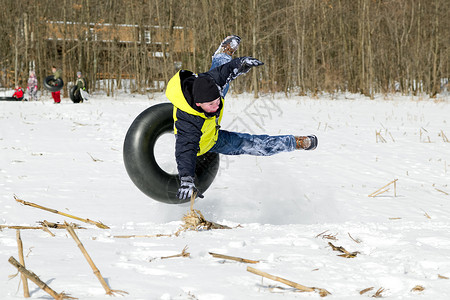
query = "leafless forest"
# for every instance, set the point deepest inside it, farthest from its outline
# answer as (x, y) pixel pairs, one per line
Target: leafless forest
(308, 46)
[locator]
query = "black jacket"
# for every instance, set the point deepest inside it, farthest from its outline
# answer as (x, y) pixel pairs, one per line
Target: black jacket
(193, 128)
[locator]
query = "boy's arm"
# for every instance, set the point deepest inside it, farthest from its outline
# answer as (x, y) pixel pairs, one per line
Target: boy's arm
(225, 73)
(187, 142)
(57, 74)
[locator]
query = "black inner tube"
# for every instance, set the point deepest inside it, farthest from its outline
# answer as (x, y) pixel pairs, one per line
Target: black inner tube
(75, 97)
(140, 162)
(52, 84)
(4, 98)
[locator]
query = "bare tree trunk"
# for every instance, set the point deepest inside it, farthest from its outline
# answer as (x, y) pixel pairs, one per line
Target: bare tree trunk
(314, 53)
(435, 78)
(299, 36)
(64, 72)
(25, 34)
(255, 25)
(302, 60)
(16, 55)
(362, 75)
(370, 77)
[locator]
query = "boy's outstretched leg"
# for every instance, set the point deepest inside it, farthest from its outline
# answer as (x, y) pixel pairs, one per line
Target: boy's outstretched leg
(223, 54)
(236, 143)
(229, 45)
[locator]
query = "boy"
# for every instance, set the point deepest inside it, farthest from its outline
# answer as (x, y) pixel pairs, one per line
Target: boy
(198, 107)
(18, 93)
(56, 95)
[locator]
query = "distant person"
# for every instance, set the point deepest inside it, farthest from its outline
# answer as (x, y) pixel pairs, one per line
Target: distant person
(81, 86)
(56, 95)
(32, 86)
(18, 93)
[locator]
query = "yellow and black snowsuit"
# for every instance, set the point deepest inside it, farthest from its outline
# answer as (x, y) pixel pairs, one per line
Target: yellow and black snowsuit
(196, 131)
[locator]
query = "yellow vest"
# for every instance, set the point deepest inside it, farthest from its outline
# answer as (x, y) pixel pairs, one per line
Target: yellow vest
(210, 128)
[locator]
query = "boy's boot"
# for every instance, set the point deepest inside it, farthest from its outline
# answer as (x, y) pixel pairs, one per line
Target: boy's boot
(229, 45)
(306, 142)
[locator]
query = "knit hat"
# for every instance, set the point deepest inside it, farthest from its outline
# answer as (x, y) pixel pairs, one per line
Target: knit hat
(205, 90)
(78, 73)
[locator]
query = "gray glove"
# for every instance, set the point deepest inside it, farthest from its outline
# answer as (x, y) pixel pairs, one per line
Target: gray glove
(187, 187)
(247, 63)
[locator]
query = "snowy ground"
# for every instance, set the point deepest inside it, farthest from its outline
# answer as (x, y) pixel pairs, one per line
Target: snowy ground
(289, 207)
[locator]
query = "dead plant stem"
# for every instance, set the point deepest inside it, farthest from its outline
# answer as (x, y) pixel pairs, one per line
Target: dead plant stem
(26, 291)
(98, 224)
(298, 286)
(244, 260)
(91, 262)
(33, 277)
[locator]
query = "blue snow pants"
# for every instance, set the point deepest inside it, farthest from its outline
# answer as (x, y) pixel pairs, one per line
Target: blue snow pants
(234, 143)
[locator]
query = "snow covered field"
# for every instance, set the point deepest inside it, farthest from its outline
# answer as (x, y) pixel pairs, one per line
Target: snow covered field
(289, 207)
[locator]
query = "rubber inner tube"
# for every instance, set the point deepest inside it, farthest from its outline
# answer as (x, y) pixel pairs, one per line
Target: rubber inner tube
(4, 98)
(75, 97)
(52, 84)
(140, 162)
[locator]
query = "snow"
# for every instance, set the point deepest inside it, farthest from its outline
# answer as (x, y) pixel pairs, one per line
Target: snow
(284, 210)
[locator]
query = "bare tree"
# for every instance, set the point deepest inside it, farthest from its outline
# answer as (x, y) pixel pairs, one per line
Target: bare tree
(364, 46)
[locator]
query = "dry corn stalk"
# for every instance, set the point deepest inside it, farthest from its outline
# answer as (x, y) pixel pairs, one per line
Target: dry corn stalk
(378, 293)
(327, 236)
(19, 227)
(365, 290)
(139, 236)
(428, 137)
(44, 228)
(33, 277)
(91, 263)
(94, 159)
(26, 291)
(381, 191)
(355, 240)
(98, 224)
(390, 134)
(26, 227)
(45, 224)
(341, 249)
(379, 137)
(444, 137)
(418, 288)
(48, 224)
(183, 253)
(322, 292)
(194, 220)
(48, 231)
(441, 191)
(426, 214)
(249, 261)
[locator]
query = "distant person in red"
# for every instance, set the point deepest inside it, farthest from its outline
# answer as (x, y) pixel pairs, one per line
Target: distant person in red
(18, 93)
(56, 95)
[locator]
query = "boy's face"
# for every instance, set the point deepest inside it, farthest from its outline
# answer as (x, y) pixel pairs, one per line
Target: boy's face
(210, 107)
